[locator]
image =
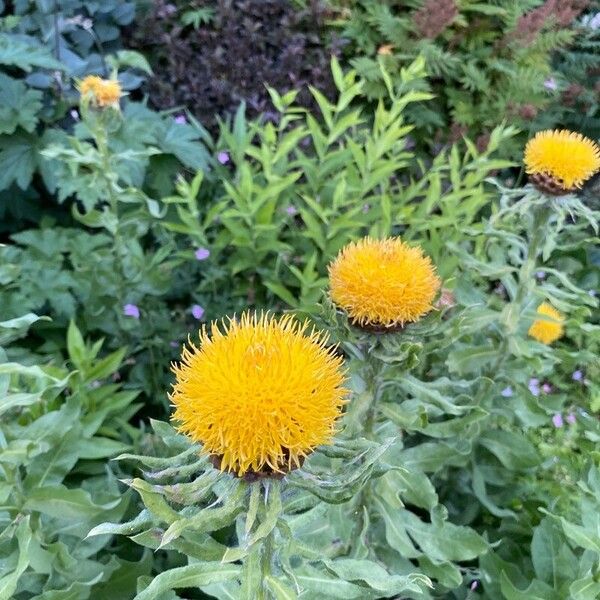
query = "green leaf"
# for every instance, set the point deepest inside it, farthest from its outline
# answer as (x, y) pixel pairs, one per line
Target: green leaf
(73, 505)
(9, 582)
(15, 328)
(76, 591)
(346, 483)
(19, 106)
(189, 577)
(442, 540)
(323, 586)
(514, 451)
(208, 519)
(154, 501)
(11, 401)
(106, 366)
(376, 577)
(537, 590)
(395, 532)
(272, 513)
(545, 545)
(17, 160)
(429, 457)
(585, 589)
(131, 58)
(100, 447)
(582, 536)
(252, 583)
(26, 52)
(75, 345)
(280, 590)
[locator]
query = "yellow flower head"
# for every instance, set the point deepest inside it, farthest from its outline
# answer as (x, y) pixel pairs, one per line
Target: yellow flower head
(383, 282)
(547, 331)
(564, 158)
(259, 394)
(103, 92)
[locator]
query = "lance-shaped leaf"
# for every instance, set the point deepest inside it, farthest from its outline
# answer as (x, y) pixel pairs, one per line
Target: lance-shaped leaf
(208, 519)
(346, 482)
(190, 576)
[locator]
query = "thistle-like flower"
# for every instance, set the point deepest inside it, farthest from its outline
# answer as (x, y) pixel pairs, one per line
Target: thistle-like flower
(259, 393)
(547, 331)
(559, 162)
(102, 92)
(383, 283)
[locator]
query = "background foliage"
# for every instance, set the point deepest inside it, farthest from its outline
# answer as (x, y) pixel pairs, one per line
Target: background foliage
(487, 61)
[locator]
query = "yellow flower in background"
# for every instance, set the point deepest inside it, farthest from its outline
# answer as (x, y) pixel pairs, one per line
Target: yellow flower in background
(259, 393)
(104, 92)
(385, 50)
(547, 331)
(383, 283)
(561, 161)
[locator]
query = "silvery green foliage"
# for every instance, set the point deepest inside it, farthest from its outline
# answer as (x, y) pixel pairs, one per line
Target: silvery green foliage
(433, 422)
(280, 539)
(58, 429)
(564, 550)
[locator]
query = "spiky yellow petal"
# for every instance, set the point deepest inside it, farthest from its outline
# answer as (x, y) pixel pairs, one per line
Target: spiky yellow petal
(383, 282)
(103, 92)
(547, 331)
(259, 393)
(568, 158)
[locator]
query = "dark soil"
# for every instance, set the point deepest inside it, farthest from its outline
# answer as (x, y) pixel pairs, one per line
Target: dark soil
(246, 44)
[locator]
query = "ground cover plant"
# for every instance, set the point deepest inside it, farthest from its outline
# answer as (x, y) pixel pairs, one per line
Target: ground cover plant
(324, 346)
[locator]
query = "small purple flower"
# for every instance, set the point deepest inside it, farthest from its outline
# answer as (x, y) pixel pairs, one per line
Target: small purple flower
(174, 344)
(202, 253)
(366, 208)
(507, 392)
(197, 311)
(291, 210)
(571, 419)
(547, 388)
(474, 586)
(74, 115)
(577, 375)
(131, 310)
(534, 386)
(557, 420)
(550, 84)
(540, 274)
(223, 157)
(180, 120)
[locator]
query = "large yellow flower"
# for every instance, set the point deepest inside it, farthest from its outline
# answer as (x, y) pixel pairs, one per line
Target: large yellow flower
(547, 331)
(103, 92)
(383, 283)
(561, 161)
(259, 394)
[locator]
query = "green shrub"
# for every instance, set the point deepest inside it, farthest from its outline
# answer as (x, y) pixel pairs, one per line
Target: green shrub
(45, 47)
(296, 192)
(60, 426)
(486, 61)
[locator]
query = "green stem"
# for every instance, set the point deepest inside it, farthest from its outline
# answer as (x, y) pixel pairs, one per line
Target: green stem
(525, 284)
(526, 281)
(101, 139)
